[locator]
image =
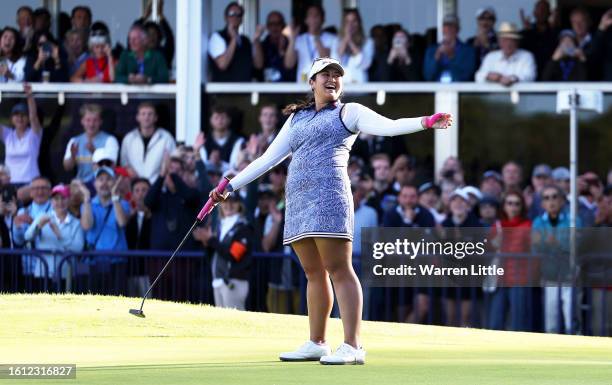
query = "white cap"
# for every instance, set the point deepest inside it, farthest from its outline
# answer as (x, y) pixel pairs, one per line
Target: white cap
(461, 194)
(320, 63)
(104, 153)
(472, 190)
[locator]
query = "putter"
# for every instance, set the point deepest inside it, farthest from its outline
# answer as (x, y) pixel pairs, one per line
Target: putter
(208, 207)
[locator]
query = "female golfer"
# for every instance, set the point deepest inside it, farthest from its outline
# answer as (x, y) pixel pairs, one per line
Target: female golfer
(319, 214)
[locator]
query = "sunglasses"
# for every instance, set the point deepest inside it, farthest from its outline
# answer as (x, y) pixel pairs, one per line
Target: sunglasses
(513, 203)
(550, 197)
(234, 14)
(491, 18)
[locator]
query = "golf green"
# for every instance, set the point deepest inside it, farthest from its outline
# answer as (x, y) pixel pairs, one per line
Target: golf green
(192, 344)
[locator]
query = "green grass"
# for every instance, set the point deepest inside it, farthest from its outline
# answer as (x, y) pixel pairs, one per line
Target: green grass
(192, 344)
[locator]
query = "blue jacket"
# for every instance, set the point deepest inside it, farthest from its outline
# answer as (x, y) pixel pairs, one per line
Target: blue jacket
(462, 66)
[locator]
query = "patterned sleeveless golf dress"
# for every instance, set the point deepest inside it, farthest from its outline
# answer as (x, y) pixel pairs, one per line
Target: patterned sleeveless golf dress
(318, 190)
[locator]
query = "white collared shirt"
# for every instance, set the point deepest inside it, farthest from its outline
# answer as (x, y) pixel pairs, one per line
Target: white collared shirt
(520, 64)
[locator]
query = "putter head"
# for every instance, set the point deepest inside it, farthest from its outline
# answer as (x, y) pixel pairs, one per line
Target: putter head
(137, 313)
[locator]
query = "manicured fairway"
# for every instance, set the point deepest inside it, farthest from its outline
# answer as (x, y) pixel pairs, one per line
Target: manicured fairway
(192, 344)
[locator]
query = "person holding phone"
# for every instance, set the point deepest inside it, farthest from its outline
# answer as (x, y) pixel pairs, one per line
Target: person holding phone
(404, 64)
(46, 61)
(568, 62)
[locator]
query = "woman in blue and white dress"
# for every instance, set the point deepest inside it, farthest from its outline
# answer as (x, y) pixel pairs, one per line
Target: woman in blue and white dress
(319, 212)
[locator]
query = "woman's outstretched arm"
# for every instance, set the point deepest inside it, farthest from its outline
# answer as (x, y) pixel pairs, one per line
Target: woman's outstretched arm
(358, 117)
(278, 150)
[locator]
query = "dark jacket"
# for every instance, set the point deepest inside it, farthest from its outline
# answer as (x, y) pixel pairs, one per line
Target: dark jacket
(423, 218)
(138, 240)
(240, 69)
(234, 251)
(172, 214)
(565, 70)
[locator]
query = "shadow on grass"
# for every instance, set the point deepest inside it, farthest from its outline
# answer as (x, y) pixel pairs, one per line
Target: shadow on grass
(186, 366)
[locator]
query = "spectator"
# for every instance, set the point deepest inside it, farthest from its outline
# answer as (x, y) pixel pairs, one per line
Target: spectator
(509, 64)
(550, 236)
(459, 216)
(429, 197)
(487, 210)
(568, 62)
(485, 40)
(232, 55)
(273, 49)
(42, 20)
(379, 71)
(404, 63)
(138, 235)
(408, 212)
(25, 21)
(259, 142)
(602, 47)
(512, 175)
(313, 43)
(57, 231)
(12, 62)
(512, 235)
(103, 218)
(159, 33)
(143, 149)
(139, 64)
(80, 149)
(581, 23)
(540, 177)
(353, 48)
(173, 205)
(223, 146)
(539, 37)
(99, 66)
(492, 184)
(231, 250)
(40, 191)
(46, 61)
(74, 44)
(452, 171)
(80, 19)
(590, 190)
(403, 172)
(22, 143)
(451, 60)
(384, 197)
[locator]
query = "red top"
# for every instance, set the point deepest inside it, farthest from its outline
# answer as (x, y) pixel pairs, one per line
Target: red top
(517, 239)
(95, 67)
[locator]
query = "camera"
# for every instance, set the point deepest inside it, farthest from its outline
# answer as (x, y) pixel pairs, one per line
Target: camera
(47, 48)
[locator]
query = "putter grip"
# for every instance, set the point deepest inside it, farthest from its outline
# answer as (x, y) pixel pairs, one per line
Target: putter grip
(209, 203)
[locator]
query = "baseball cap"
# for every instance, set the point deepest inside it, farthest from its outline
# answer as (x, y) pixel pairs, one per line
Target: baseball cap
(459, 193)
(320, 63)
(62, 190)
(561, 173)
(489, 200)
(492, 174)
(103, 153)
(483, 10)
(472, 190)
(105, 169)
(429, 186)
(450, 19)
(541, 170)
(19, 108)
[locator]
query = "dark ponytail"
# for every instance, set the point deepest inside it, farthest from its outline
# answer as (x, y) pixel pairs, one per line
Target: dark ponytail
(299, 106)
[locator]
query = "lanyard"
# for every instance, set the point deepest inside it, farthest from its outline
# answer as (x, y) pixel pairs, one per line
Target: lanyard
(566, 68)
(140, 66)
(312, 50)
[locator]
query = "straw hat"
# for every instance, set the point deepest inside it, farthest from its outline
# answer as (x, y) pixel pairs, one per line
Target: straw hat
(509, 30)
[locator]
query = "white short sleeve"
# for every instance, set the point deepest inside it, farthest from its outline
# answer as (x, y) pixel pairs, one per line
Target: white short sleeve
(216, 45)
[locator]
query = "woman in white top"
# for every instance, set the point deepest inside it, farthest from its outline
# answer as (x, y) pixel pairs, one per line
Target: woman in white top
(353, 49)
(319, 213)
(12, 62)
(22, 143)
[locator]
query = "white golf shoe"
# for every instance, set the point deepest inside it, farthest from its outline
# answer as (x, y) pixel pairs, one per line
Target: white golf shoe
(345, 355)
(309, 351)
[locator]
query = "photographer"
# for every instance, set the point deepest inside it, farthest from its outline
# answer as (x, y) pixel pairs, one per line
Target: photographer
(99, 66)
(568, 62)
(46, 61)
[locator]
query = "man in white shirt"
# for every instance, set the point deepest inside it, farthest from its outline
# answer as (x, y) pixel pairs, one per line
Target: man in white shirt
(143, 149)
(509, 64)
(310, 45)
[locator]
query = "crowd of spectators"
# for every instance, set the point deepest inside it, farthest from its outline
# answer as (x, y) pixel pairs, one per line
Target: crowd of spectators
(83, 50)
(142, 191)
(499, 52)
